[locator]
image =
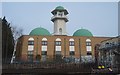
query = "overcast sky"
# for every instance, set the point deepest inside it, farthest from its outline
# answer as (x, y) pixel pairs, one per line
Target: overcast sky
(101, 18)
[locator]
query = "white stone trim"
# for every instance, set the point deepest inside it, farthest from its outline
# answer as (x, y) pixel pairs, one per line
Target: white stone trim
(58, 39)
(44, 39)
(71, 39)
(88, 40)
(31, 39)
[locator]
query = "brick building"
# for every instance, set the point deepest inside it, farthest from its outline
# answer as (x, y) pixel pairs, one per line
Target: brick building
(40, 45)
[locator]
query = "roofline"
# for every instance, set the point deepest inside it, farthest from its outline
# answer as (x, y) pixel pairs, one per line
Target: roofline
(110, 38)
(71, 36)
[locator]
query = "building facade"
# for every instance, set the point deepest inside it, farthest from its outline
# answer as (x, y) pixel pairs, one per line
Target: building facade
(42, 46)
(109, 52)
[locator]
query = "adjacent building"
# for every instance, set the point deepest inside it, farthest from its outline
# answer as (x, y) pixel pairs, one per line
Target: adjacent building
(109, 52)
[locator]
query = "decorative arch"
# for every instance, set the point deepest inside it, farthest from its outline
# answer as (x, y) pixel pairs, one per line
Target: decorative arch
(60, 30)
(58, 39)
(88, 47)
(88, 40)
(31, 39)
(44, 49)
(30, 49)
(58, 47)
(71, 39)
(71, 47)
(44, 39)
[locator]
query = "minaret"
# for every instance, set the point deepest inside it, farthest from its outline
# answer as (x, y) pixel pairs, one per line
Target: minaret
(59, 19)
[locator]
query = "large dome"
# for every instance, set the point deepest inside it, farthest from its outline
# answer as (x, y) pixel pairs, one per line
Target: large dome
(39, 31)
(82, 32)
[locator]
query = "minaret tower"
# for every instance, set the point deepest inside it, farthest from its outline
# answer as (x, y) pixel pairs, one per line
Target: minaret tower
(59, 19)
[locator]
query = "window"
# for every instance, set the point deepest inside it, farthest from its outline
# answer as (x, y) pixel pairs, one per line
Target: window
(30, 52)
(60, 30)
(30, 56)
(44, 42)
(43, 58)
(72, 52)
(60, 14)
(44, 52)
(89, 53)
(58, 43)
(58, 52)
(71, 43)
(30, 42)
(88, 43)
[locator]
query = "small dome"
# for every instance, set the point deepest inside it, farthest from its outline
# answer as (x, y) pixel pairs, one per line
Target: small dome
(39, 31)
(82, 32)
(59, 8)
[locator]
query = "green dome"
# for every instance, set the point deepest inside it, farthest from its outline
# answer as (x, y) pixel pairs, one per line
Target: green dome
(82, 32)
(59, 8)
(39, 31)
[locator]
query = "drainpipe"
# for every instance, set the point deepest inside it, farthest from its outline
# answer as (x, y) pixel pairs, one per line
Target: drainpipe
(80, 50)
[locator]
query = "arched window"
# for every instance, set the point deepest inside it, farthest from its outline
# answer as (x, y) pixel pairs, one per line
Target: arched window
(88, 47)
(58, 55)
(30, 44)
(58, 42)
(60, 31)
(60, 13)
(44, 49)
(71, 47)
(58, 47)
(44, 41)
(31, 41)
(71, 42)
(88, 42)
(30, 49)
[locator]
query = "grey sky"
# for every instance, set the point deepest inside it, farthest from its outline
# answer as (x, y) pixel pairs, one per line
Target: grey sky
(101, 18)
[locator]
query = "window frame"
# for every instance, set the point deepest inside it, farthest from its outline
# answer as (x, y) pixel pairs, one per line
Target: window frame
(43, 53)
(71, 53)
(71, 43)
(30, 42)
(58, 43)
(44, 43)
(89, 53)
(88, 43)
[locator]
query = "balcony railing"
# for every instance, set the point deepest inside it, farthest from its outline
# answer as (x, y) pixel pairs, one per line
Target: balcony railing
(56, 16)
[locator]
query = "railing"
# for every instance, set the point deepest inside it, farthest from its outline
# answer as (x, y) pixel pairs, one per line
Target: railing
(64, 67)
(59, 17)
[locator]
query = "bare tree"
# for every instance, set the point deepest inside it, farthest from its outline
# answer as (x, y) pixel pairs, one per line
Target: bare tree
(17, 32)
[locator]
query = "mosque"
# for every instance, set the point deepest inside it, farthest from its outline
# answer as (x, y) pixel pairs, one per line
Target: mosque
(42, 46)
